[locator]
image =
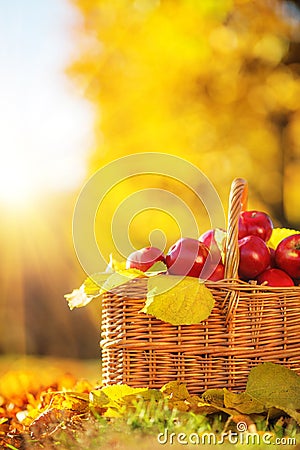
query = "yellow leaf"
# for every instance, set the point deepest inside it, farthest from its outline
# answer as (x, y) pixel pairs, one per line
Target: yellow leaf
(220, 238)
(214, 396)
(99, 283)
(105, 396)
(114, 265)
(176, 389)
(112, 401)
(70, 400)
(278, 234)
(78, 298)
(177, 300)
(180, 399)
(114, 413)
(243, 402)
(118, 278)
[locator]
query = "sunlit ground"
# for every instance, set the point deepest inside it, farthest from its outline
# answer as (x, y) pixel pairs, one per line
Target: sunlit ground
(18, 373)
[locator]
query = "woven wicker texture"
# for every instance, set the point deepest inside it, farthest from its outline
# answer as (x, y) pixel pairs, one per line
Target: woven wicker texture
(248, 324)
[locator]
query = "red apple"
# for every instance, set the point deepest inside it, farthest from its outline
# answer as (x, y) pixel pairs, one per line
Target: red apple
(213, 239)
(218, 273)
(144, 258)
(255, 223)
(287, 255)
(186, 257)
(275, 277)
(254, 257)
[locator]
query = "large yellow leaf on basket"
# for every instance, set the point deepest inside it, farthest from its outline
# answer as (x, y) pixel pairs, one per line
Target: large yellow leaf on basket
(178, 300)
(278, 234)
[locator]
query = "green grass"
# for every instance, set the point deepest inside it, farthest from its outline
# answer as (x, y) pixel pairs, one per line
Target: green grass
(151, 425)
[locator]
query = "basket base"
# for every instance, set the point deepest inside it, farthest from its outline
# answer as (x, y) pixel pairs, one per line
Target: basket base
(153, 369)
(248, 325)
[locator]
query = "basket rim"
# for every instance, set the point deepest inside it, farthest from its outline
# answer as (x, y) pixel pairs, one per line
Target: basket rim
(227, 283)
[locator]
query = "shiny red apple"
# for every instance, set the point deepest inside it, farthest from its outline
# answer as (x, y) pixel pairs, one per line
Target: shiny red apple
(218, 273)
(254, 257)
(186, 257)
(275, 277)
(255, 223)
(287, 255)
(211, 239)
(144, 258)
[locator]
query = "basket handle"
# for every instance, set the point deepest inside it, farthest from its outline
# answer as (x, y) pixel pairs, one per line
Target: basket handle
(237, 202)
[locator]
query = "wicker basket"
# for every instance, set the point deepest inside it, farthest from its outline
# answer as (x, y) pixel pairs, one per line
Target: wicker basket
(249, 324)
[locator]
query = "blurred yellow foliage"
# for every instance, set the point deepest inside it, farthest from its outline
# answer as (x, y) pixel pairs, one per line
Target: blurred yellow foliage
(209, 81)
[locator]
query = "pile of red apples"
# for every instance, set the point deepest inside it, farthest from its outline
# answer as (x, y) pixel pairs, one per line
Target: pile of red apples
(202, 258)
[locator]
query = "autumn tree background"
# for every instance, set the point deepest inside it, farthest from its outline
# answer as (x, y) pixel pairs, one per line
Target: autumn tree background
(214, 82)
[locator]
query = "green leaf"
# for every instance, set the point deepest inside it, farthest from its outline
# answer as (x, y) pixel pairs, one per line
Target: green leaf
(178, 300)
(275, 386)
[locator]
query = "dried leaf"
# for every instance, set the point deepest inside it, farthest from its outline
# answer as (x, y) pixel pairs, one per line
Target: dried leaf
(177, 300)
(214, 396)
(275, 386)
(112, 401)
(47, 422)
(70, 400)
(180, 399)
(243, 402)
(176, 389)
(107, 396)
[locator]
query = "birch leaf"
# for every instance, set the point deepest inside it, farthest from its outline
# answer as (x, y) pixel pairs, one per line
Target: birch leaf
(178, 300)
